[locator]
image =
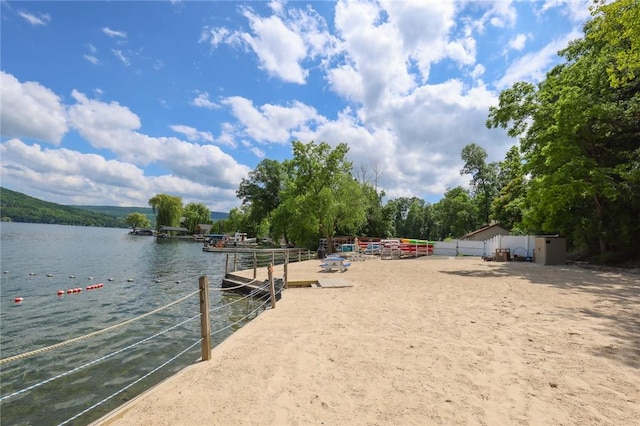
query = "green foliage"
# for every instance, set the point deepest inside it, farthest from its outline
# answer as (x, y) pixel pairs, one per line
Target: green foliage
(239, 220)
(318, 195)
(120, 212)
(615, 28)
(262, 189)
(18, 207)
(579, 136)
(168, 210)
(137, 220)
(484, 178)
(508, 205)
(455, 214)
(379, 221)
(196, 214)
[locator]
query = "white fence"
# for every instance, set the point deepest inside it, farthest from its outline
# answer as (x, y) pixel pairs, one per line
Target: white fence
(445, 248)
(520, 245)
(471, 248)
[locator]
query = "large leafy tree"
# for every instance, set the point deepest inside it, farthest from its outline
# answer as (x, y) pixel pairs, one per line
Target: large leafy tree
(415, 226)
(137, 220)
(398, 208)
(483, 178)
(379, 222)
(320, 196)
(196, 214)
(262, 189)
(508, 205)
(238, 220)
(455, 214)
(617, 32)
(167, 208)
(579, 133)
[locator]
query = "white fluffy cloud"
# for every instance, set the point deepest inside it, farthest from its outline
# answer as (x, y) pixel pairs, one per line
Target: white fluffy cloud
(533, 66)
(113, 128)
(30, 110)
(518, 42)
(271, 123)
(192, 133)
(280, 43)
(202, 101)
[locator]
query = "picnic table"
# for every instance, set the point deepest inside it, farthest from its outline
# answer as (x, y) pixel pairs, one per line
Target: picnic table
(333, 262)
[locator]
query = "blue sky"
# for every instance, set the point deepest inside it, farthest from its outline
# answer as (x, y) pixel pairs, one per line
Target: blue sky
(110, 103)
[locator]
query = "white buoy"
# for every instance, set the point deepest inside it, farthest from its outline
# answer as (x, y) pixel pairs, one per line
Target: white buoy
(32, 273)
(157, 280)
(49, 275)
(130, 280)
(110, 279)
(178, 282)
(72, 276)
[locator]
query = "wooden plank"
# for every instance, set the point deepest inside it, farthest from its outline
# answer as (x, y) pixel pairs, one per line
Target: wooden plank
(333, 283)
(300, 284)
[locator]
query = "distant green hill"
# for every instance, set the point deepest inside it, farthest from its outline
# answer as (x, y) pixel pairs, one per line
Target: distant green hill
(18, 207)
(123, 212)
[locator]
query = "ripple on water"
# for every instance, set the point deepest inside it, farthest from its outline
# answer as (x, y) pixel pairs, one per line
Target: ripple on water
(45, 318)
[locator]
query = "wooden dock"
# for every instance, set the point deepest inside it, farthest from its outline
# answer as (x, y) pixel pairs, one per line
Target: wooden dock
(333, 283)
(249, 286)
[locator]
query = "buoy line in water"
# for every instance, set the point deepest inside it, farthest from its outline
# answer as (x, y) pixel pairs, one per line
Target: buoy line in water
(95, 333)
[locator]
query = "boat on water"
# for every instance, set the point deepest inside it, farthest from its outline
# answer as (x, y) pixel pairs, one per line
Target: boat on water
(212, 242)
(144, 232)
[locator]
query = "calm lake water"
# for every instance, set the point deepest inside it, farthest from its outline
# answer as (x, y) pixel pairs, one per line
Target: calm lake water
(139, 274)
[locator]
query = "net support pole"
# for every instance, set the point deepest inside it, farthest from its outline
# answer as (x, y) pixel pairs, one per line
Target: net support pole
(205, 323)
(272, 287)
(255, 265)
(286, 270)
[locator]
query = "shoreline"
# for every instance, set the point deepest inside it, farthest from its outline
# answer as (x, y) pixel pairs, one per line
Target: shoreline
(431, 340)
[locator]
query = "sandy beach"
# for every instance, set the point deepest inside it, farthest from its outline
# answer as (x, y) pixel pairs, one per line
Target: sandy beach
(427, 341)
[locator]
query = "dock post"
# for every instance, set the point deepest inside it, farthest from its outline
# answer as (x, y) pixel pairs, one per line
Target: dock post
(255, 265)
(235, 262)
(272, 288)
(286, 270)
(205, 324)
(226, 265)
(273, 258)
(299, 255)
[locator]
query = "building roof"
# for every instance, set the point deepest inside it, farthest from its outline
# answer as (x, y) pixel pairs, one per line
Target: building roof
(484, 228)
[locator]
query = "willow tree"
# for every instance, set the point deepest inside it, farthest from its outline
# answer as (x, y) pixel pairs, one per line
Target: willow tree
(168, 210)
(196, 214)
